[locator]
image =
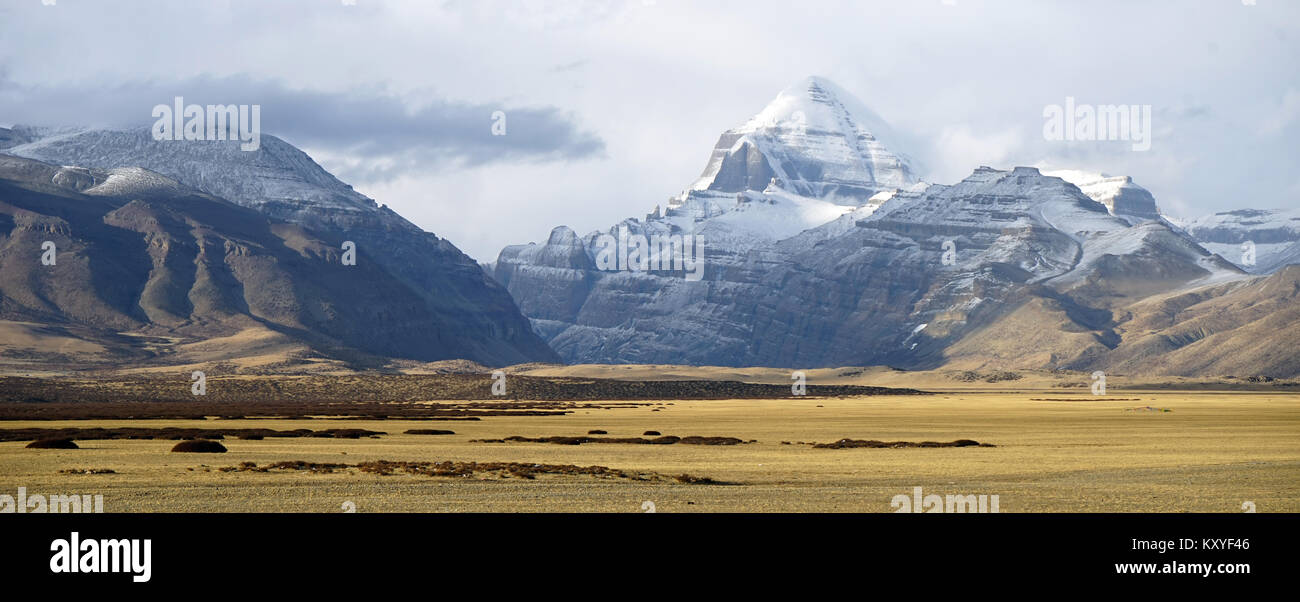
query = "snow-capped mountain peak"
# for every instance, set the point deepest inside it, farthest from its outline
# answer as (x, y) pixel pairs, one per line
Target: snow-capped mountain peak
(813, 154)
(1259, 241)
(813, 140)
(1121, 196)
(277, 178)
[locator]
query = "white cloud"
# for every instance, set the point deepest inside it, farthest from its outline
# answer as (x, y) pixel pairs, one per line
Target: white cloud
(959, 149)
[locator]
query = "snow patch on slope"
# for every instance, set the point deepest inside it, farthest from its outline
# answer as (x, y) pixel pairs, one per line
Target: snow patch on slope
(133, 182)
(275, 173)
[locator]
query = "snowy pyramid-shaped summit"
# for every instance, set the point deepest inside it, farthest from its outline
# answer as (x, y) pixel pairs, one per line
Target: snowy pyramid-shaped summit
(814, 140)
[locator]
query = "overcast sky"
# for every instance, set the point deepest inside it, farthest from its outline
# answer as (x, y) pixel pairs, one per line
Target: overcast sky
(612, 107)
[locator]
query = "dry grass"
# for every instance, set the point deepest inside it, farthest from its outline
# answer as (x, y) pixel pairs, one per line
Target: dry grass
(1210, 453)
(664, 440)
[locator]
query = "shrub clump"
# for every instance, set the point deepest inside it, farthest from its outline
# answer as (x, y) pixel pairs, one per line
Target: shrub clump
(694, 480)
(712, 441)
(499, 470)
(200, 446)
(173, 433)
(579, 440)
(872, 443)
(52, 444)
(430, 432)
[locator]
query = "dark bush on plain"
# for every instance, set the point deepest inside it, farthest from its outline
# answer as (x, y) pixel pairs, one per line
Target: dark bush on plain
(200, 446)
(52, 444)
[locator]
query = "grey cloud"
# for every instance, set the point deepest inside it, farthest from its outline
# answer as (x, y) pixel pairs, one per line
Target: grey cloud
(380, 134)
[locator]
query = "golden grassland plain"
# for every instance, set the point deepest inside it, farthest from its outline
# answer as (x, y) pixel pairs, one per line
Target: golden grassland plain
(1210, 452)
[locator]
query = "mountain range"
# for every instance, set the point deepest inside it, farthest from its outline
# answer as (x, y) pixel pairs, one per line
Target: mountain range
(824, 249)
(821, 247)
